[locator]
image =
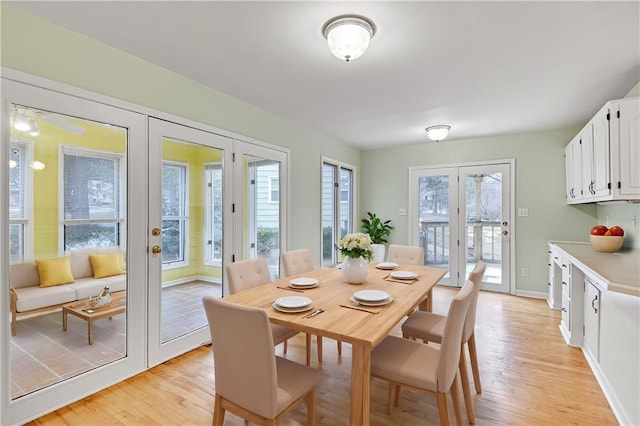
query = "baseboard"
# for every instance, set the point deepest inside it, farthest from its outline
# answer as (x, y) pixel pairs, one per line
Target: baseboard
(192, 278)
(531, 294)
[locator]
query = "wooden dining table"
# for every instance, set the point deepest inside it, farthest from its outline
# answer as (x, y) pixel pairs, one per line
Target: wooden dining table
(362, 329)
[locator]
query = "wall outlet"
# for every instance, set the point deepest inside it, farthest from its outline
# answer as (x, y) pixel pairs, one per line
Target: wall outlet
(525, 272)
(403, 212)
(523, 212)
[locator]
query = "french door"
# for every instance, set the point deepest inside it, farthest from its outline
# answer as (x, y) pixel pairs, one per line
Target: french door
(462, 214)
(189, 173)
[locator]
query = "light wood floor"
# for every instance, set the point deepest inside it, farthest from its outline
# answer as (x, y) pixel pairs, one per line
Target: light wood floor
(529, 377)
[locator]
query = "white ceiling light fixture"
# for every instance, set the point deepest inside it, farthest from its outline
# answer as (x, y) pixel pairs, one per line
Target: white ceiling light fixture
(348, 36)
(438, 133)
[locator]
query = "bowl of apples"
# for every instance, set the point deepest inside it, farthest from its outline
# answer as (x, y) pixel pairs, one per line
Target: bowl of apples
(606, 240)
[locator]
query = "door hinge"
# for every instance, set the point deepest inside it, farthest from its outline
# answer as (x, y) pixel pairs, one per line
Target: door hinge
(458, 242)
(583, 330)
(619, 185)
(580, 141)
(609, 185)
(233, 208)
(608, 117)
(209, 185)
(209, 242)
(233, 156)
(233, 258)
(618, 114)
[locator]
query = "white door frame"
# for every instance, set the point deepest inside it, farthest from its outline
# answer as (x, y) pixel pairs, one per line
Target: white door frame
(413, 236)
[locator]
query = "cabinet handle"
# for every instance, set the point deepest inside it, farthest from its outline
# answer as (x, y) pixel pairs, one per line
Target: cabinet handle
(564, 266)
(555, 257)
(593, 302)
(564, 309)
(564, 283)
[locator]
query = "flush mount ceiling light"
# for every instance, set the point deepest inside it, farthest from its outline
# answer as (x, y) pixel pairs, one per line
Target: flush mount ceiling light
(438, 133)
(348, 36)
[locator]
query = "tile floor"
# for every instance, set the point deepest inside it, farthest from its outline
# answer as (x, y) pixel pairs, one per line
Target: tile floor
(43, 354)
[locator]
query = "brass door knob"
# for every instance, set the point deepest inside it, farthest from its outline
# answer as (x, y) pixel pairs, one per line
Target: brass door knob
(156, 249)
(156, 231)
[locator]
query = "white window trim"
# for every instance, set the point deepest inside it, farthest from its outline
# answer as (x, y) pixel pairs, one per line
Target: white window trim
(185, 262)
(28, 243)
(208, 215)
(271, 179)
(122, 191)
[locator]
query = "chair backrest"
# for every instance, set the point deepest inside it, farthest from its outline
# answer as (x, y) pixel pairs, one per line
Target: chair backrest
(245, 274)
(297, 262)
(405, 255)
(243, 355)
(475, 276)
(452, 337)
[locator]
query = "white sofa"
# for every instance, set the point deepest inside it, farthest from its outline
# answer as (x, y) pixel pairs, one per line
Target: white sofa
(27, 297)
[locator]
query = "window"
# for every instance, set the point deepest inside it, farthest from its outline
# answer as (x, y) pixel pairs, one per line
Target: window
(19, 182)
(213, 214)
(93, 198)
(274, 189)
(175, 216)
(337, 207)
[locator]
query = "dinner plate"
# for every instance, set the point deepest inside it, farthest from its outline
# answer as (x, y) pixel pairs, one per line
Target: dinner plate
(387, 265)
(303, 282)
(403, 275)
(293, 302)
(291, 310)
(371, 295)
(377, 303)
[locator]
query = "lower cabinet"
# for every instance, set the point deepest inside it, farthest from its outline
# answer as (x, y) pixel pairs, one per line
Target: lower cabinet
(591, 325)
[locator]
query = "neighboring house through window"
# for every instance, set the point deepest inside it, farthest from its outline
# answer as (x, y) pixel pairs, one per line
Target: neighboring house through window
(93, 194)
(175, 214)
(337, 206)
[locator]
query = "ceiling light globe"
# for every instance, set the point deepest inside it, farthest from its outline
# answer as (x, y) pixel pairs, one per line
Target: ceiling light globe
(438, 133)
(21, 124)
(348, 37)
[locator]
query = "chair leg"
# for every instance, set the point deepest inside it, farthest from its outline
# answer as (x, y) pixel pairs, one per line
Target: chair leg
(443, 409)
(339, 348)
(307, 338)
(396, 402)
(218, 411)
(390, 397)
(466, 392)
(319, 345)
(455, 397)
(473, 356)
(311, 407)
(285, 346)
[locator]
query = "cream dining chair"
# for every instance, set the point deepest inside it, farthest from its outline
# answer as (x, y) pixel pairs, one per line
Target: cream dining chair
(405, 255)
(249, 273)
(404, 362)
(298, 262)
(429, 327)
(250, 380)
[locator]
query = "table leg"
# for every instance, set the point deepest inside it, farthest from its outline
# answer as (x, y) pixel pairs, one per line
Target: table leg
(90, 331)
(360, 384)
(64, 319)
(427, 304)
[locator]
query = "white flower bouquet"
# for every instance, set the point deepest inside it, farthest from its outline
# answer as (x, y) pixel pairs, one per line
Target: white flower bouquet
(356, 245)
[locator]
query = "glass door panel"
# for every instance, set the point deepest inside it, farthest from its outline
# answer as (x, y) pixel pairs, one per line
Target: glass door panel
(186, 237)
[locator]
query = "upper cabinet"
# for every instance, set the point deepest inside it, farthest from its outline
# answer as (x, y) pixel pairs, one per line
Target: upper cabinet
(603, 159)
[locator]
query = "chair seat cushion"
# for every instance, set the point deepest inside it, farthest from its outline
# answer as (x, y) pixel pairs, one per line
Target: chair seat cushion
(294, 380)
(280, 333)
(424, 325)
(406, 362)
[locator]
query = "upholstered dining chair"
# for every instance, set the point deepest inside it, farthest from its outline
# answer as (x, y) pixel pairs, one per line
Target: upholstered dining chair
(407, 363)
(405, 255)
(250, 380)
(429, 327)
(249, 273)
(298, 262)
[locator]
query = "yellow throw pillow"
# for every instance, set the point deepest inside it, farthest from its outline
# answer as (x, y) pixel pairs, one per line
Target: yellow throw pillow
(107, 265)
(55, 271)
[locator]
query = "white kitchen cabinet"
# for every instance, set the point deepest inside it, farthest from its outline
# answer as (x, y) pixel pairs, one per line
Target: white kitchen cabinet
(602, 159)
(591, 324)
(554, 284)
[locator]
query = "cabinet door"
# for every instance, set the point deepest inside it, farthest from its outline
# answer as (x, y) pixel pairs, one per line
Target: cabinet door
(625, 143)
(591, 339)
(586, 163)
(600, 174)
(573, 167)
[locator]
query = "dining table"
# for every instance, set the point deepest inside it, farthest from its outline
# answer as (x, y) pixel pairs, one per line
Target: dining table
(344, 319)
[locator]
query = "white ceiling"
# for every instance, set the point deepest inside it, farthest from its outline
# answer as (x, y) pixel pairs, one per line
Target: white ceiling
(484, 68)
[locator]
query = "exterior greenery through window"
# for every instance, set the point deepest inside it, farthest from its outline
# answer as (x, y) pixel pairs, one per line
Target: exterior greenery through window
(337, 207)
(213, 214)
(19, 181)
(175, 214)
(93, 198)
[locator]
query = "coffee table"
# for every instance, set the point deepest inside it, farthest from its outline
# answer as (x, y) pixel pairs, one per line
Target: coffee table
(83, 310)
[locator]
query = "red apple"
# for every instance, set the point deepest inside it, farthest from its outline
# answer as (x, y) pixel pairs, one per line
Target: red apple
(599, 230)
(616, 231)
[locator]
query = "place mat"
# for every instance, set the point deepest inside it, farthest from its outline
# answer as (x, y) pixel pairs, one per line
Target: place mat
(394, 280)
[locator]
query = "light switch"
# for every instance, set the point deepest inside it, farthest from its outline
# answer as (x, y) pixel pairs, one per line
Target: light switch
(523, 212)
(403, 212)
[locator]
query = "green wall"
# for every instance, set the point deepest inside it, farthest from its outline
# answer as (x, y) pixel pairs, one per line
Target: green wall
(61, 55)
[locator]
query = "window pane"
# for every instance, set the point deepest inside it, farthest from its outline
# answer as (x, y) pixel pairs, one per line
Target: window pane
(345, 201)
(77, 236)
(328, 213)
(16, 243)
(90, 186)
(17, 181)
(173, 189)
(214, 213)
(172, 241)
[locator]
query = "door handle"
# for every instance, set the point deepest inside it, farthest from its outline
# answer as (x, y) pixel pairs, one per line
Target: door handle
(156, 249)
(505, 232)
(593, 302)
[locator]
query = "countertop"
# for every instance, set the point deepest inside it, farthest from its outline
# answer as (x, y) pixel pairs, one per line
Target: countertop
(619, 271)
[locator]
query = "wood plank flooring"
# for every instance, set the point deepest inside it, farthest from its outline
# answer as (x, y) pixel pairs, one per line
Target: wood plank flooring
(529, 377)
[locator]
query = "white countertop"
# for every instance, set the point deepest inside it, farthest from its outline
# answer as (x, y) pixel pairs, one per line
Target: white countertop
(619, 271)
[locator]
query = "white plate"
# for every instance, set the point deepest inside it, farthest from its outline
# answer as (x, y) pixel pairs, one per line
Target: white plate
(304, 282)
(371, 295)
(293, 302)
(306, 287)
(403, 275)
(387, 265)
(291, 310)
(378, 303)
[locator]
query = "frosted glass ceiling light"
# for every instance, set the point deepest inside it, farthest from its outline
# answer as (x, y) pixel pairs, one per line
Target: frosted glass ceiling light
(348, 36)
(21, 123)
(438, 133)
(37, 165)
